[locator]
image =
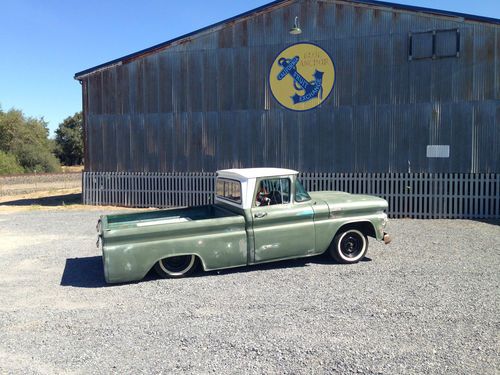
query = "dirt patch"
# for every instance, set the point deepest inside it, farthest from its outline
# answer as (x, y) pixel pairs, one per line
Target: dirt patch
(44, 198)
(72, 169)
(31, 183)
(61, 199)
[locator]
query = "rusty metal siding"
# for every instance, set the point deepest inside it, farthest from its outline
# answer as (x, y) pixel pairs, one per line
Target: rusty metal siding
(497, 64)
(484, 69)
(205, 103)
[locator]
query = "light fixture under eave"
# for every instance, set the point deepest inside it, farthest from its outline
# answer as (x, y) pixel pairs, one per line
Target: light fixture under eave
(295, 30)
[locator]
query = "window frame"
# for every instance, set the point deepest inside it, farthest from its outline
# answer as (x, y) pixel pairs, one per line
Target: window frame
(257, 185)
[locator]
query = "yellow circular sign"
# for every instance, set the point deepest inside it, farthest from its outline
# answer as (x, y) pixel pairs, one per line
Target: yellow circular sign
(302, 76)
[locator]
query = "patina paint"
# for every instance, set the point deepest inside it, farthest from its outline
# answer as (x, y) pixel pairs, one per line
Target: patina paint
(224, 235)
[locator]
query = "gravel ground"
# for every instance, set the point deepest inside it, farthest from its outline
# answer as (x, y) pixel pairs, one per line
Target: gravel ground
(426, 303)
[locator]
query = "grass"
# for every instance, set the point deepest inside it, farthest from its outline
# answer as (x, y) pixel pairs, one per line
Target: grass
(72, 169)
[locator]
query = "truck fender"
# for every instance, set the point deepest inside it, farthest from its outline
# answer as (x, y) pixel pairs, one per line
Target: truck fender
(364, 226)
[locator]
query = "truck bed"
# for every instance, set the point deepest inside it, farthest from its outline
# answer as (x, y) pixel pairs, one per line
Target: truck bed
(177, 215)
(133, 242)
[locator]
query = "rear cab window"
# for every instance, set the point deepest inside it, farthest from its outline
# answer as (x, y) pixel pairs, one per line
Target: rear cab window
(229, 190)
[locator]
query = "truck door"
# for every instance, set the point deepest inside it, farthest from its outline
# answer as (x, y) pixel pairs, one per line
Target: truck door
(282, 229)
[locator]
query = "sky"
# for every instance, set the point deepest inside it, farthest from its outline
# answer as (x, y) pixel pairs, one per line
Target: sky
(44, 43)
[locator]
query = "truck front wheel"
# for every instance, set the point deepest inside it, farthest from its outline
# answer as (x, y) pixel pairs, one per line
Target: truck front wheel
(174, 267)
(349, 246)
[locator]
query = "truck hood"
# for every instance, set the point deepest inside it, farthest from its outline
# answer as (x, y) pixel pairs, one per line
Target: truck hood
(341, 201)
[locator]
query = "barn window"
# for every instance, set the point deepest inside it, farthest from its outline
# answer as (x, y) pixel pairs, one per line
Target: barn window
(421, 46)
(447, 43)
(434, 44)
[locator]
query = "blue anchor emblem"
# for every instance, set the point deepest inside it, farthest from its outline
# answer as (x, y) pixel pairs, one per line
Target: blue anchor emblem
(312, 89)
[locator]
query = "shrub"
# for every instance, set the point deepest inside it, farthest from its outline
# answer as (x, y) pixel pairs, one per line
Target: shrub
(37, 159)
(9, 164)
(26, 139)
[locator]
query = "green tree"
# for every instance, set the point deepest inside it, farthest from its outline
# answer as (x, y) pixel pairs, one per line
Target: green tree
(26, 139)
(69, 140)
(9, 164)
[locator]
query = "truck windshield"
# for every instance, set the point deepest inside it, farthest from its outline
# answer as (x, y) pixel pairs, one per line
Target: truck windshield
(300, 193)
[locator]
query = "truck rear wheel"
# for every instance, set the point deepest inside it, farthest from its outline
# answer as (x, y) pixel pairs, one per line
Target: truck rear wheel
(175, 267)
(349, 246)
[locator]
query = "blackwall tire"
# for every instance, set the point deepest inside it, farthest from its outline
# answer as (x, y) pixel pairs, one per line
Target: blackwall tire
(349, 246)
(176, 267)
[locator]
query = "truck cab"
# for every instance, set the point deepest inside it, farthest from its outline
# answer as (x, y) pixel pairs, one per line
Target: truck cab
(278, 211)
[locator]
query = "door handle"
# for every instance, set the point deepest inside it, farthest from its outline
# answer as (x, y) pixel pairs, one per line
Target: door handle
(259, 215)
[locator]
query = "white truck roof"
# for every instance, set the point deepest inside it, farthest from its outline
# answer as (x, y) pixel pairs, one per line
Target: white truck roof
(247, 173)
(248, 177)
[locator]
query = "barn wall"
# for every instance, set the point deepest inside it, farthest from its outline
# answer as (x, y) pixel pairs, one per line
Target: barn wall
(205, 104)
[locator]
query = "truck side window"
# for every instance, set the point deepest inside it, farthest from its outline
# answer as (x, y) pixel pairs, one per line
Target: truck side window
(273, 191)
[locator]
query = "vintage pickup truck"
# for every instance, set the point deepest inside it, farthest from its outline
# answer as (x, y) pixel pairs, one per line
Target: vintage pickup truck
(259, 215)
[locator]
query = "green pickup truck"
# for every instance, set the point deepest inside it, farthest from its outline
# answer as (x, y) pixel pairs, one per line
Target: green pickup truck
(259, 215)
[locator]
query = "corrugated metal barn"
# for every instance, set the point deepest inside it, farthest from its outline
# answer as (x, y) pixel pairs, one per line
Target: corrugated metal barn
(414, 113)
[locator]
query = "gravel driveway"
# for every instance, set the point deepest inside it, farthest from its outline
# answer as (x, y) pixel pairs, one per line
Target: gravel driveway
(427, 303)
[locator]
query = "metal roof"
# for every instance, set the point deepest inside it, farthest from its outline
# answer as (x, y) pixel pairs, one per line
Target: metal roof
(383, 4)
